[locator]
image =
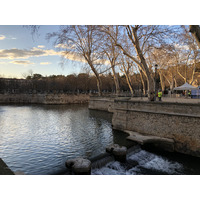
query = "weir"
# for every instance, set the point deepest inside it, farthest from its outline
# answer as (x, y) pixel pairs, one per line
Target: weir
(170, 120)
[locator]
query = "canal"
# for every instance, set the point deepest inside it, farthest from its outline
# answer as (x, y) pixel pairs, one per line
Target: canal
(38, 139)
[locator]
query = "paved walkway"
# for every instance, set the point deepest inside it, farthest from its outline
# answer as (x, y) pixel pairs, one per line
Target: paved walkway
(173, 100)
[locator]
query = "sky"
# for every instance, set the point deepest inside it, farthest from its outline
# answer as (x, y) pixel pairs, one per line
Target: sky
(22, 52)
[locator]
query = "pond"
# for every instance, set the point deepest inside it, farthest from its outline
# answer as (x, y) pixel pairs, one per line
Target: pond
(38, 139)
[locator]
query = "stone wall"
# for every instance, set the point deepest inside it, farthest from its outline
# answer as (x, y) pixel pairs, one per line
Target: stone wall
(44, 98)
(100, 103)
(180, 122)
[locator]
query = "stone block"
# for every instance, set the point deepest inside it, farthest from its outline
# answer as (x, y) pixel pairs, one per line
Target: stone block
(79, 166)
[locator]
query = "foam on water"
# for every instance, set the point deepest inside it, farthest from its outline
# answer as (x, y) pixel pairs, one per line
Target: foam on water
(148, 163)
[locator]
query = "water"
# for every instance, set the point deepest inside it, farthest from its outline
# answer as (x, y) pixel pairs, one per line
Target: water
(147, 163)
(38, 139)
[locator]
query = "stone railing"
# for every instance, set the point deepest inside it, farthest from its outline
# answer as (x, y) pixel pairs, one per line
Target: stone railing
(44, 98)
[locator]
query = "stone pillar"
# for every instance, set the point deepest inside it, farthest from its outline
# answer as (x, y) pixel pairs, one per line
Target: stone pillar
(79, 166)
(119, 152)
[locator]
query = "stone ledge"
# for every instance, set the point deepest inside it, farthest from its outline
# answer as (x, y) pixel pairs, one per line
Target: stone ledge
(165, 143)
(156, 112)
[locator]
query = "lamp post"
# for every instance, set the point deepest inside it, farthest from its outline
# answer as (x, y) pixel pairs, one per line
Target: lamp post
(156, 67)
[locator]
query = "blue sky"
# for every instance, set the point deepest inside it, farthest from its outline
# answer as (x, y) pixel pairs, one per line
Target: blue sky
(20, 52)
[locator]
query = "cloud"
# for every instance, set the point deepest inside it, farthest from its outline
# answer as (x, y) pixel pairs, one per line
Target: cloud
(2, 37)
(24, 53)
(63, 46)
(37, 52)
(73, 57)
(45, 63)
(41, 46)
(76, 57)
(21, 62)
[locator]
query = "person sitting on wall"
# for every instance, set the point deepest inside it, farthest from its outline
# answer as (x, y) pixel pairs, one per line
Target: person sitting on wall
(159, 95)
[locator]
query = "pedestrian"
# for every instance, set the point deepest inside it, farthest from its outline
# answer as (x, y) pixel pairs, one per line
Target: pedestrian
(160, 95)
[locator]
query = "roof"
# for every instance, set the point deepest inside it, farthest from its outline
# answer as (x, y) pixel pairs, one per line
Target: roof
(186, 86)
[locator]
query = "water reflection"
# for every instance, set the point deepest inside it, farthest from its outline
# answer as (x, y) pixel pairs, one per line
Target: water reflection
(39, 139)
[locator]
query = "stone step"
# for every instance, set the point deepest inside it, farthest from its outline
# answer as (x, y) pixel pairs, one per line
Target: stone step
(164, 143)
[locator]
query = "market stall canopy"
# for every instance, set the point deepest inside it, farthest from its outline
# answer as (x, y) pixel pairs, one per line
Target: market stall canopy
(186, 86)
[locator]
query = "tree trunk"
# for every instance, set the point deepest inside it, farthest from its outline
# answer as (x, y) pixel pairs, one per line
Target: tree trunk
(150, 81)
(162, 82)
(193, 72)
(99, 83)
(128, 80)
(195, 30)
(142, 80)
(116, 80)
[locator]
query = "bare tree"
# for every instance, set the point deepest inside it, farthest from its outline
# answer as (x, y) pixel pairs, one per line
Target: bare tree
(125, 68)
(139, 39)
(112, 54)
(81, 43)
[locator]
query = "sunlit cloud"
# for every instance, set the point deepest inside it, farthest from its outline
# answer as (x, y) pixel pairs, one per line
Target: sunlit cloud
(63, 46)
(41, 46)
(13, 38)
(77, 57)
(45, 63)
(21, 62)
(15, 53)
(24, 53)
(73, 56)
(2, 37)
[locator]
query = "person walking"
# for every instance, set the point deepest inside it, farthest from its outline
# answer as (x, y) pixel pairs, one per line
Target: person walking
(189, 93)
(160, 95)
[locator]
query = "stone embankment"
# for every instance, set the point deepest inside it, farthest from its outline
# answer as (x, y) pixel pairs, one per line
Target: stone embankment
(4, 169)
(177, 120)
(44, 98)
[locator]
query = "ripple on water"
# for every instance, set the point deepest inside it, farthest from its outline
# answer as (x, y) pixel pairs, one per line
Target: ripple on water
(39, 139)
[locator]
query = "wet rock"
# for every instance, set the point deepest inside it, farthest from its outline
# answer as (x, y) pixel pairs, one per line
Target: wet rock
(119, 152)
(79, 166)
(110, 148)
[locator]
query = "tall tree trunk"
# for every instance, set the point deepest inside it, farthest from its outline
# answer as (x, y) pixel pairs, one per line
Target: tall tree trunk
(142, 81)
(99, 83)
(193, 72)
(128, 80)
(162, 82)
(175, 82)
(150, 81)
(116, 80)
